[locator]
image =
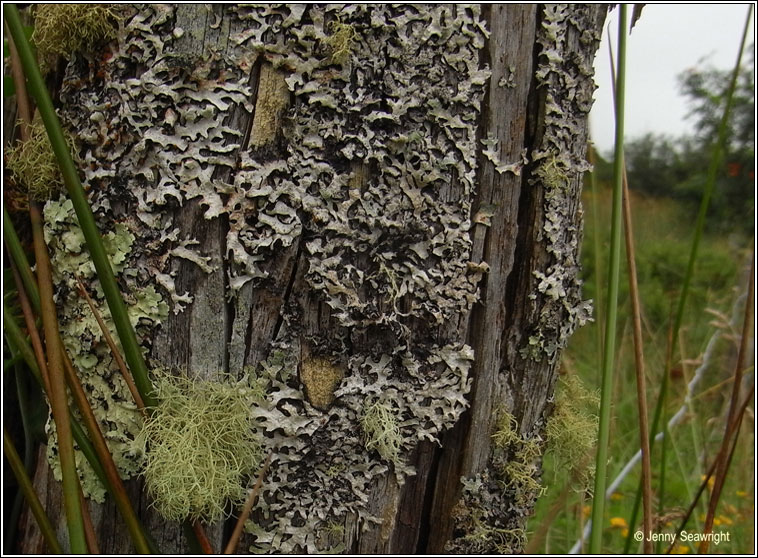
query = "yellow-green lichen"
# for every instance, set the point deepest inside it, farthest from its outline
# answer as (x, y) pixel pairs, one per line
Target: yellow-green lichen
(202, 447)
(519, 469)
(320, 377)
(482, 535)
(60, 30)
(332, 537)
(341, 39)
(572, 429)
(481, 526)
(83, 339)
(381, 430)
(34, 165)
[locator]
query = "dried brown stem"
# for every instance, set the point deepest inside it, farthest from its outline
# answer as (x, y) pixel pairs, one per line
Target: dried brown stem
(31, 327)
(231, 546)
(639, 365)
(722, 460)
(735, 428)
(202, 538)
(114, 350)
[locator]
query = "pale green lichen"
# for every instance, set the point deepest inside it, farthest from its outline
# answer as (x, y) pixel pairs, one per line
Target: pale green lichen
(341, 39)
(518, 462)
(34, 165)
(83, 339)
(202, 447)
(572, 429)
(381, 430)
(60, 30)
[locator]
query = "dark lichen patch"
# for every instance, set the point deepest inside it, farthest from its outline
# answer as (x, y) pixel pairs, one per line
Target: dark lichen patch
(484, 522)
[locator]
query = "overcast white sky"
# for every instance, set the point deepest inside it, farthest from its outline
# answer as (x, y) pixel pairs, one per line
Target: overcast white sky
(668, 39)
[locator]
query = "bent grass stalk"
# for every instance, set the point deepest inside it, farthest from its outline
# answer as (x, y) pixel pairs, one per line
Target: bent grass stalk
(57, 358)
(16, 252)
(15, 337)
(57, 383)
(98, 452)
(57, 396)
(598, 502)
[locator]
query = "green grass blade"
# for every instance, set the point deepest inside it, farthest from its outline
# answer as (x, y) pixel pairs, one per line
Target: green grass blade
(599, 316)
(25, 483)
(37, 89)
(22, 397)
(598, 503)
(16, 252)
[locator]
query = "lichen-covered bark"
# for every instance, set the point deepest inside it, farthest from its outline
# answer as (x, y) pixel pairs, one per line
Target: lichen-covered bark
(373, 211)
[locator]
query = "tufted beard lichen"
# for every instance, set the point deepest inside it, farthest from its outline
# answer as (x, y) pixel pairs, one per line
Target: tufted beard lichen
(34, 165)
(60, 30)
(381, 430)
(202, 448)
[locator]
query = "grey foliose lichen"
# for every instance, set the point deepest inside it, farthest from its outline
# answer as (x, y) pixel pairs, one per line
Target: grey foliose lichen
(372, 175)
(494, 505)
(485, 522)
(322, 469)
(564, 72)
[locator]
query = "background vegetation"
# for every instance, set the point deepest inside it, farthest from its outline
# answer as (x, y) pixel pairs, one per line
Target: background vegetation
(666, 176)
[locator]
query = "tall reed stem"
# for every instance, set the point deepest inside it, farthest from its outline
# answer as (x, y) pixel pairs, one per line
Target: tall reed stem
(598, 503)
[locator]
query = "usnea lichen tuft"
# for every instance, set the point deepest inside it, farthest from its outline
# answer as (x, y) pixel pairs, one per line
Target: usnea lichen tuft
(380, 427)
(60, 30)
(201, 447)
(516, 459)
(482, 525)
(341, 39)
(571, 430)
(34, 164)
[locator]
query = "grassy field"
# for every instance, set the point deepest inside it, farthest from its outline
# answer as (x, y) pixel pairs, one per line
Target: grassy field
(663, 230)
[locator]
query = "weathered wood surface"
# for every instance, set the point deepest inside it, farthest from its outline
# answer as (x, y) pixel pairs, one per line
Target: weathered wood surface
(217, 332)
